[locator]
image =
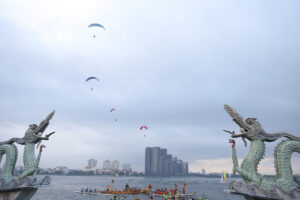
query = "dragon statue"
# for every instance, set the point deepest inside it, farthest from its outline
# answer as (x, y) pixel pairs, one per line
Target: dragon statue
(33, 136)
(255, 185)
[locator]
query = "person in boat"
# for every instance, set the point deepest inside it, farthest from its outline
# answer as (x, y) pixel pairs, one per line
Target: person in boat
(150, 188)
(127, 186)
(173, 197)
(152, 191)
(137, 198)
(91, 190)
(183, 189)
(107, 188)
(95, 190)
(82, 190)
(87, 189)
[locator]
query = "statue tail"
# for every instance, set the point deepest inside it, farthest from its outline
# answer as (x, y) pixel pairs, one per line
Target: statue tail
(11, 153)
(282, 159)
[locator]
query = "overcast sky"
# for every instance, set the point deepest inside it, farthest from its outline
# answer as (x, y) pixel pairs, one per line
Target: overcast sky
(170, 65)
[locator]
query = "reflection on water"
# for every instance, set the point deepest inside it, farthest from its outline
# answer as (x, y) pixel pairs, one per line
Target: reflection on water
(62, 187)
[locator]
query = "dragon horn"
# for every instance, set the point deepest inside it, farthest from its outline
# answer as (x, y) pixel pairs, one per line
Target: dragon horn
(50, 115)
(236, 117)
(43, 125)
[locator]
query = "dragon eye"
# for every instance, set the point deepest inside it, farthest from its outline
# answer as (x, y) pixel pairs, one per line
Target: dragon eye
(33, 126)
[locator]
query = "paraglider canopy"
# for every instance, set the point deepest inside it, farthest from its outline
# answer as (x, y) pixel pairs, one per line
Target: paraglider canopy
(91, 77)
(112, 110)
(96, 25)
(143, 127)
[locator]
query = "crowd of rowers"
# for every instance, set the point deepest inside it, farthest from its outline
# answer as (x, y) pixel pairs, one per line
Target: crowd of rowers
(169, 193)
(173, 193)
(108, 189)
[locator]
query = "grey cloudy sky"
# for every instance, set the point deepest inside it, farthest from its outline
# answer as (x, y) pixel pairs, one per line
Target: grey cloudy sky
(170, 65)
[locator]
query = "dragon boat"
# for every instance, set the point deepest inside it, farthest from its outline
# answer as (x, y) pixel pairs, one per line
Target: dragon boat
(120, 192)
(169, 196)
(90, 193)
(125, 192)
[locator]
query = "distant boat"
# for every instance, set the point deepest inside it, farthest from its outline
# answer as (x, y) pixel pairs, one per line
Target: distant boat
(223, 178)
(91, 193)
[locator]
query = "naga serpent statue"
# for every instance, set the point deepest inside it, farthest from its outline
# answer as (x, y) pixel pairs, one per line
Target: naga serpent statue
(33, 136)
(282, 186)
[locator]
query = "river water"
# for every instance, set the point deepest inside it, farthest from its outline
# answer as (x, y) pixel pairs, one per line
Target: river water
(62, 187)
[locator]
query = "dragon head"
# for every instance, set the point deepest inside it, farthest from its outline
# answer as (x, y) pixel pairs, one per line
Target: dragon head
(250, 128)
(255, 128)
(31, 134)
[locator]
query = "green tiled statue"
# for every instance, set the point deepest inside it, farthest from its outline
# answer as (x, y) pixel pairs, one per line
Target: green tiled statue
(255, 185)
(33, 136)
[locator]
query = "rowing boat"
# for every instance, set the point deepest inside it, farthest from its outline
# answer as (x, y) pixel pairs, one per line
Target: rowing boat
(176, 196)
(91, 193)
(112, 192)
(119, 192)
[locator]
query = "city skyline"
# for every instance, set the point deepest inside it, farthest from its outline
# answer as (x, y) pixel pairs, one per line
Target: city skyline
(106, 165)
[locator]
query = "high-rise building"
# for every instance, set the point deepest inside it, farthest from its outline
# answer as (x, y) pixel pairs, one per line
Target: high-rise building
(126, 167)
(148, 156)
(179, 167)
(155, 160)
(169, 169)
(203, 171)
(174, 165)
(92, 163)
(185, 168)
(106, 164)
(159, 163)
(115, 165)
(162, 162)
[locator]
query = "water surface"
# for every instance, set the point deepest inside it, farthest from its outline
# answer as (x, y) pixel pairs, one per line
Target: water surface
(62, 187)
